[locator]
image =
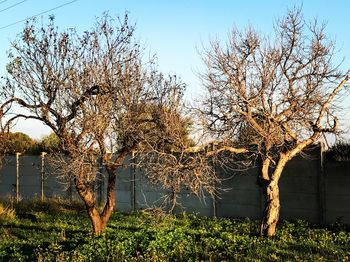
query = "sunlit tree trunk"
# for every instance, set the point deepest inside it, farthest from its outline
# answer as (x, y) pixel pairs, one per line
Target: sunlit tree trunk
(270, 189)
(87, 196)
(271, 210)
(110, 203)
(99, 220)
(97, 223)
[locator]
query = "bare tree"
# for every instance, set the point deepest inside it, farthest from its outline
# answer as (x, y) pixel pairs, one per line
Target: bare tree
(279, 91)
(98, 94)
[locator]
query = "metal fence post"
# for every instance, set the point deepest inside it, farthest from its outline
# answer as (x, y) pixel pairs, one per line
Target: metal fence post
(17, 176)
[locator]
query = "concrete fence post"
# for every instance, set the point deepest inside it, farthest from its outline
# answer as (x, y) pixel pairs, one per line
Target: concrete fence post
(100, 181)
(133, 182)
(213, 198)
(214, 205)
(321, 187)
(17, 176)
(42, 174)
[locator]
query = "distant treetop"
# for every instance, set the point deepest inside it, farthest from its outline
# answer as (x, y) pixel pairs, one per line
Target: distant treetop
(339, 152)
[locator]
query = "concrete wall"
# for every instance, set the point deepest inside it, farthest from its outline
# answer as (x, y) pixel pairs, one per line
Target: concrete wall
(240, 195)
(337, 192)
(299, 188)
(29, 177)
(8, 177)
(30, 173)
(310, 189)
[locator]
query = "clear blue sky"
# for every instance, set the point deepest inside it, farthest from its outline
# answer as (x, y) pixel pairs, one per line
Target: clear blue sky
(175, 29)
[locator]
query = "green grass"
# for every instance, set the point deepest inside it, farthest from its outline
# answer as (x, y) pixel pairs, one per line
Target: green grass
(60, 231)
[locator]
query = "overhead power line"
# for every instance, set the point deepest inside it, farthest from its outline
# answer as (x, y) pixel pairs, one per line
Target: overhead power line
(44, 12)
(3, 1)
(7, 8)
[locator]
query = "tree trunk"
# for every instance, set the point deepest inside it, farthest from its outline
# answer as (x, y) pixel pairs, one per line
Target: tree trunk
(271, 210)
(87, 196)
(110, 203)
(111, 187)
(269, 182)
(97, 224)
(269, 185)
(99, 220)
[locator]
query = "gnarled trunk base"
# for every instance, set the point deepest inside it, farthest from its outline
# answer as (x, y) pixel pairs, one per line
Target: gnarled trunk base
(98, 220)
(98, 225)
(271, 211)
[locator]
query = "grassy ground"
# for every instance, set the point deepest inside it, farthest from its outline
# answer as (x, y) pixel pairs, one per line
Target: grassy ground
(60, 231)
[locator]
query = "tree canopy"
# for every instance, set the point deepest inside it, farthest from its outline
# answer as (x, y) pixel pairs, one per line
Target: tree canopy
(281, 91)
(100, 96)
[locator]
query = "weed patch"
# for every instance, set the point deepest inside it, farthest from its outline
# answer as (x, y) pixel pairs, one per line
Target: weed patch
(61, 234)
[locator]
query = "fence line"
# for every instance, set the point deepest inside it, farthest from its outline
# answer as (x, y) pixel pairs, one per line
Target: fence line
(310, 189)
